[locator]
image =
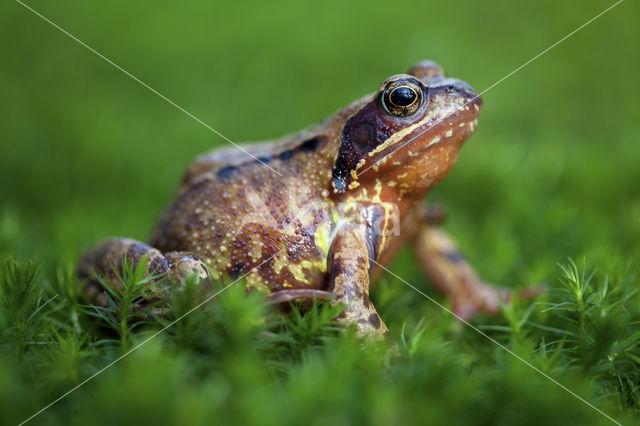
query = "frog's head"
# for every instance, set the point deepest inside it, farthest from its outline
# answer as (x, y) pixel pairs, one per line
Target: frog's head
(406, 137)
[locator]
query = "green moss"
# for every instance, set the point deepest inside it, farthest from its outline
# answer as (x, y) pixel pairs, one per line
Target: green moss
(234, 361)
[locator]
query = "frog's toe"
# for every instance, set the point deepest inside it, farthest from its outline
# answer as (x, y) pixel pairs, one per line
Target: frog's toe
(527, 293)
(372, 327)
(184, 264)
(487, 299)
(483, 300)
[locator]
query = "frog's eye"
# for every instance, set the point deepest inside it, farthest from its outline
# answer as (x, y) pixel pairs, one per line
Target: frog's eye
(402, 97)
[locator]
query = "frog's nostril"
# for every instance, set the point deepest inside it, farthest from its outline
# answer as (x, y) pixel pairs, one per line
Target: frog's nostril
(462, 88)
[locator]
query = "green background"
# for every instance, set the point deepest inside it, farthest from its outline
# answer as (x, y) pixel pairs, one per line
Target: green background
(551, 172)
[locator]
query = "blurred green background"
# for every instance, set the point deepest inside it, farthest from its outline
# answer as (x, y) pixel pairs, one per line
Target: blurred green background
(89, 153)
(552, 171)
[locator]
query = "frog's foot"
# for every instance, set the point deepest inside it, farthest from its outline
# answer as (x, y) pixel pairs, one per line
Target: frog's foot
(105, 261)
(453, 276)
(484, 297)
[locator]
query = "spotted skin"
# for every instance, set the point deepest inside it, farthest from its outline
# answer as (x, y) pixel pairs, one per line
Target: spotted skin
(343, 197)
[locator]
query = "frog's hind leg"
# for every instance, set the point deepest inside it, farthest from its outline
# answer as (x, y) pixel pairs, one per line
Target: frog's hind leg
(105, 260)
(441, 261)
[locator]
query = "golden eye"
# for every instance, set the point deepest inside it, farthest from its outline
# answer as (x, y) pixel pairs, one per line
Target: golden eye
(402, 97)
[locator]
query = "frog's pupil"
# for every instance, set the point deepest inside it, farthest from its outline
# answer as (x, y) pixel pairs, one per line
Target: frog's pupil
(402, 96)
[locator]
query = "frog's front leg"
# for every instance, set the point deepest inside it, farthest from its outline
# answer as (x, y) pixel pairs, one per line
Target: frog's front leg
(441, 261)
(106, 258)
(349, 266)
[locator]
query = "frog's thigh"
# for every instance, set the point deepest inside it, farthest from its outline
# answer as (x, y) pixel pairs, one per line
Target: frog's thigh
(348, 263)
(441, 261)
(103, 258)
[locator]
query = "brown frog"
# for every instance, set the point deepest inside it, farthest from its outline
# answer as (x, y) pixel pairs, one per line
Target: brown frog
(316, 213)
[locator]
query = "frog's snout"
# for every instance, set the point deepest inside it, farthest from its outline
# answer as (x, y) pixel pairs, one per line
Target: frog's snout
(455, 92)
(464, 88)
(468, 93)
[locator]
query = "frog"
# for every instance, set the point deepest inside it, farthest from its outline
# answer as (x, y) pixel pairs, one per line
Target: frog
(317, 214)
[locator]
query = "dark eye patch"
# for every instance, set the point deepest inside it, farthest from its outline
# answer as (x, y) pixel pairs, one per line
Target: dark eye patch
(363, 136)
(363, 132)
